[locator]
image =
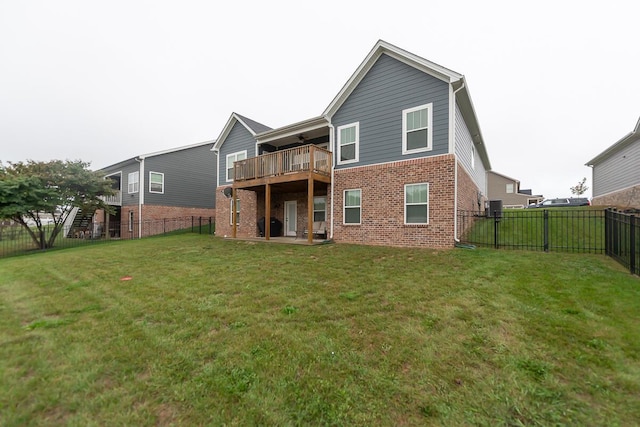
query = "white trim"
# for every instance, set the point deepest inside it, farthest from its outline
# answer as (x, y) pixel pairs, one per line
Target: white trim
(157, 173)
(356, 142)
(415, 204)
(429, 128)
(288, 232)
(333, 170)
(344, 207)
(226, 162)
(129, 182)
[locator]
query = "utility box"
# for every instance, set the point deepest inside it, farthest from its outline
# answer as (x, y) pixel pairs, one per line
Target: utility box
(494, 208)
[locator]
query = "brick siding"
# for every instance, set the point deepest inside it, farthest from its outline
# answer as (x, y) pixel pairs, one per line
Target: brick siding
(623, 199)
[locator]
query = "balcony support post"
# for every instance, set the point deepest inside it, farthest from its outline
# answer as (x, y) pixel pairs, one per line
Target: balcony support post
(267, 211)
(310, 210)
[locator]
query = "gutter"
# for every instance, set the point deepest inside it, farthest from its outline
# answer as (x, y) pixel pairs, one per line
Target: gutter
(331, 148)
(140, 159)
(455, 179)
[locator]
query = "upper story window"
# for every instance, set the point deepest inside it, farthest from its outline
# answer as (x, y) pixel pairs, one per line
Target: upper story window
(133, 182)
(417, 129)
(352, 206)
(156, 182)
(509, 188)
(416, 203)
(234, 157)
(348, 143)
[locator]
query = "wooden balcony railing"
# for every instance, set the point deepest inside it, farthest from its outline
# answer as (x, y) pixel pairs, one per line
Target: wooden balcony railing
(308, 158)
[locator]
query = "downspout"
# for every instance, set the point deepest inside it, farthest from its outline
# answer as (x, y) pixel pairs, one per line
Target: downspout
(140, 195)
(455, 177)
(331, 148)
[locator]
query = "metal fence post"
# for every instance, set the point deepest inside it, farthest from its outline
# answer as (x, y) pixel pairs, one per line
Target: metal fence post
(495, 230)
(200, 225)
(546, 230)
(632, 244)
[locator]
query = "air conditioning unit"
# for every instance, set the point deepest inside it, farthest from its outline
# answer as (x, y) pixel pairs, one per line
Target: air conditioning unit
(494, 208)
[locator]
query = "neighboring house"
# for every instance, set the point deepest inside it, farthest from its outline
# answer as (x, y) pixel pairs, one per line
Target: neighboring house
(167, 184)
(390, 161)
(616, 173)
(502, 187)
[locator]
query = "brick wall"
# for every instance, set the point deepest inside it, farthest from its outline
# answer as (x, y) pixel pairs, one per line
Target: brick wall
(248, 216)
(382, 213)
(467, 200)
(623, 199)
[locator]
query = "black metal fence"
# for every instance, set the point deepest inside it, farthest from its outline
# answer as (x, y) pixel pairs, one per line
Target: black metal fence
(565, 230)
(622, 239)
(17, 240)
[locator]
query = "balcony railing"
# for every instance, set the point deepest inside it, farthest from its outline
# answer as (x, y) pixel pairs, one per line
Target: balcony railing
(308, 158)
(114, 200)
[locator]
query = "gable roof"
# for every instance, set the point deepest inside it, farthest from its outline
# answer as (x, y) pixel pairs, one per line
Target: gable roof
(159, 153)
(456, 80)
(252, 127)
(503, 176)
(627, 140)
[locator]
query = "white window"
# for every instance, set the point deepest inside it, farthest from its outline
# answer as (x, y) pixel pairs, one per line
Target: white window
(133, 182)
(416, 203)
(237, 211)
(473, 157)
(319, 209)
(348, 143)
(509, 188)
(416, 129)
(234, 157)
(352, 206)
(156, 182)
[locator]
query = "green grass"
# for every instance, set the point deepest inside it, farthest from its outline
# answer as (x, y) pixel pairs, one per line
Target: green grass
(214, 332)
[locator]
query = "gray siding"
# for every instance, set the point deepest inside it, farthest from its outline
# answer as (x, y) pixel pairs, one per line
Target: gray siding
(239, 139)
(463, 144)
(377, 103)
(126, 168)
(189, 178)
(621, 170)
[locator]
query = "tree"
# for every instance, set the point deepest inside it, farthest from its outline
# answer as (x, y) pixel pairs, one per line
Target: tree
(29, 189)
(580, 189)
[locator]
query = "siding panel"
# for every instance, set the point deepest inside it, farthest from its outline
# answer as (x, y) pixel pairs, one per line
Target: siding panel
(621, 170)
(239, 139)
(377, 103)
(463, 143)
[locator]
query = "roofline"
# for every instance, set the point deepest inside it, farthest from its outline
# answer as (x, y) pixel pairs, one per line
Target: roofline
(158, 153)
(622, 143)
(227, 128)
(292, 129)
(504, 176)
(395, 52)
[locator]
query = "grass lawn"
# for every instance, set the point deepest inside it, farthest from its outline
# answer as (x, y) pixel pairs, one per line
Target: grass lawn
(221, 332)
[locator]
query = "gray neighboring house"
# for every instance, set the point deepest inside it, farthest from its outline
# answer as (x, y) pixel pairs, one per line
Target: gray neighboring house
(174, 183)
(616, 173)
(502, 187)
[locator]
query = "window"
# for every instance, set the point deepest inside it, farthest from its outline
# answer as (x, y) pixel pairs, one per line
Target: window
(416, 203)
(509, 188)
(156, 182)
(237, 211)
(319, 209)
(348, 142)
(234, 157)
(473, 157)
(416, 129)
(133, 183)
(352, 201)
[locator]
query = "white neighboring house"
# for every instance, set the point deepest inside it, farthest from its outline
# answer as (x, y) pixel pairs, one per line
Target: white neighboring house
(616, 173)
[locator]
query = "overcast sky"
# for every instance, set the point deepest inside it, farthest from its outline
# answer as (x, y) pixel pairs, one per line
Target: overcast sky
(553, 83)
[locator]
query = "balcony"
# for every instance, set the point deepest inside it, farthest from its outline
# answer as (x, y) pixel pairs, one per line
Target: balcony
(113, 200)
(294, 164)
